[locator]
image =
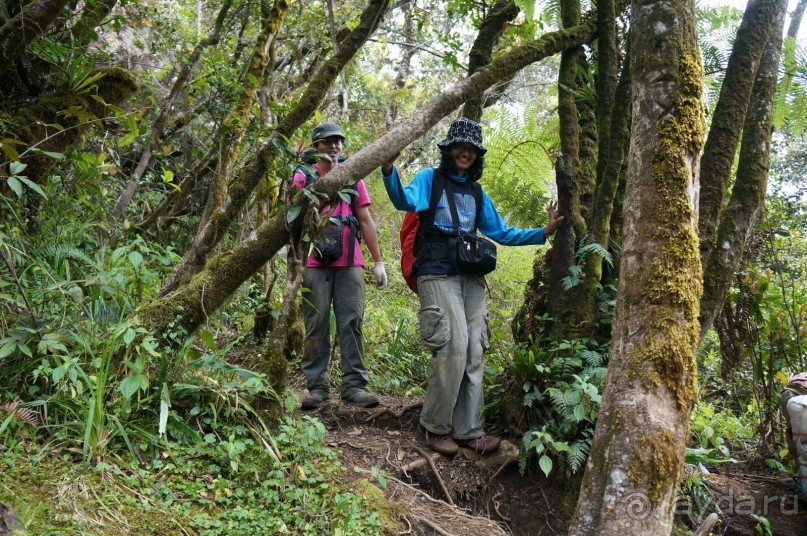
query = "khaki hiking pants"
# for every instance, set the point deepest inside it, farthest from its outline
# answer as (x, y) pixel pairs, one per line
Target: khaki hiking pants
(452, 325)
(343, 289)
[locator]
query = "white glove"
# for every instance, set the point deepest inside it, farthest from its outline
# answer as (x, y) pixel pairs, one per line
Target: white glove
(380, 275)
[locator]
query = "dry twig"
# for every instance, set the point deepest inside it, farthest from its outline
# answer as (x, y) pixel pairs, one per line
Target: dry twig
(435, 471)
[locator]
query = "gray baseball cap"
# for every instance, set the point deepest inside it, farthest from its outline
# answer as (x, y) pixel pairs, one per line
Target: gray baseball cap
(326, 130)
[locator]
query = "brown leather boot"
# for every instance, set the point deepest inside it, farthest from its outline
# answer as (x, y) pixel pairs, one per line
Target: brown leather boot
(444, 444)
(482, 444)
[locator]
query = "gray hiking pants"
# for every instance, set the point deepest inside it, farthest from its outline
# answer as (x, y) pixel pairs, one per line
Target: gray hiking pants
(342, 288)
(452, 325)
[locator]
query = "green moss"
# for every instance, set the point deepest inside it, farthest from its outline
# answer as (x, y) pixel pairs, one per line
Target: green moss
(657, 465)
(390, 513)
(671, 288)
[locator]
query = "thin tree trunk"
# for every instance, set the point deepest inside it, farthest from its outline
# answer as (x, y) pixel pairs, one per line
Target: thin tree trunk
(157, 133)
(633, 471)
(27, 25)
(210, 288)
(789, 60)
(391, 115)
(728, 117)
(748, 194)
(492, 27)
(231, 133)
(567, 178)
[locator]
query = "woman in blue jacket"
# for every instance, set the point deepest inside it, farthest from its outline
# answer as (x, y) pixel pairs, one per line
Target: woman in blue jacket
(452, 303)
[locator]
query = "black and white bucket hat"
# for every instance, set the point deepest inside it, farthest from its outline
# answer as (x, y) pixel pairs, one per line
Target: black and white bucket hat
(463, 130)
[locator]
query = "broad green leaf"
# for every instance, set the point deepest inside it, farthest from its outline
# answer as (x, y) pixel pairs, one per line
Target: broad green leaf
(135, 258)
(15, 185)
(32, 185)
(7, 348)
(292, 214)
(129, 336)
(17, 167)
(545, 463)
(129, 386)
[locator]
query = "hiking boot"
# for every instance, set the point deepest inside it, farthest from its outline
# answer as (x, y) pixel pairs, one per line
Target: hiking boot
(314, 400)
(444, 444)
(482, 444)
(361, 398)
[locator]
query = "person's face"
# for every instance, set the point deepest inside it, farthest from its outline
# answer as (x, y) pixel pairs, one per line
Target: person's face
(464, 155)
(332, 146)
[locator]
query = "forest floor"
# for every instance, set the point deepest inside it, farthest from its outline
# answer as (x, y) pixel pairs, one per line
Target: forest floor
(468, 494)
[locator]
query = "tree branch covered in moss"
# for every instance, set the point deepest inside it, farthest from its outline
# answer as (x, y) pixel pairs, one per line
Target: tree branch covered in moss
(728, 117)
(209, 289)
(500, 14)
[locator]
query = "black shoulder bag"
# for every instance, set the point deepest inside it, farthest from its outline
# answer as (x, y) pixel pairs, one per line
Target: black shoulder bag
(474, 255)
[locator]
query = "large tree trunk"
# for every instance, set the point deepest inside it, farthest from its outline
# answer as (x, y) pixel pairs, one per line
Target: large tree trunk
(748, 194)
(210, 288)
(640, 440)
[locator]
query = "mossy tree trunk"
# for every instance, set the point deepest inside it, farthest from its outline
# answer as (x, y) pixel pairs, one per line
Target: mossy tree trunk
(748, 193)
(232, 131)
(245, 182)
(568, 176)
(594, 137)
(642, 430)
(492, 27)
(30, 23)
(206, 291)
(728, 117)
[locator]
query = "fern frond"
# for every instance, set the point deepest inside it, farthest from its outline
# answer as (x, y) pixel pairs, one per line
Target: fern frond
(578, 452)
(596, 249)
(26, 415)
(519, 164)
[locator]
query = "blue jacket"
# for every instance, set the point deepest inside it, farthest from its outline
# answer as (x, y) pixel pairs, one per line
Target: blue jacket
(416, 195)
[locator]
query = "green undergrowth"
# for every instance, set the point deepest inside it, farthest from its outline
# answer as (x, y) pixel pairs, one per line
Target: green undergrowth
(193, 489)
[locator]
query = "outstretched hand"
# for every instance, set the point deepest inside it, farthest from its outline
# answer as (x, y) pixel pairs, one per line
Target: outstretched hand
(554, 219)
(386, 166)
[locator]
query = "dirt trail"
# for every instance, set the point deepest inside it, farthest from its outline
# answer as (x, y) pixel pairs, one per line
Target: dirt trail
(473, 495)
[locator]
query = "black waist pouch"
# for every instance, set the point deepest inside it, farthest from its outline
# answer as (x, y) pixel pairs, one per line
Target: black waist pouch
(474, 255)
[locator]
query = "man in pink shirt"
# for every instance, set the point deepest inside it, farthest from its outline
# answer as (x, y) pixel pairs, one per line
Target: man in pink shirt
(338, 284)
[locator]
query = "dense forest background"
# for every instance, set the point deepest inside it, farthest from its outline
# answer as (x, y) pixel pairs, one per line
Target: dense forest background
(151, 251)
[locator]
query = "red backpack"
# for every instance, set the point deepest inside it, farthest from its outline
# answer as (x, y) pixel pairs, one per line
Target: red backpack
(409, 231)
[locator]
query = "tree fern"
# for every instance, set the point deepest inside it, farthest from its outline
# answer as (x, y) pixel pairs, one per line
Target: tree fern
(790, 102)
(519, 164)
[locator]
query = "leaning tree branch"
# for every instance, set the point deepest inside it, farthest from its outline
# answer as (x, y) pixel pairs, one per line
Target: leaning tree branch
(211, 287)
(728, 117)
(748, 194)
